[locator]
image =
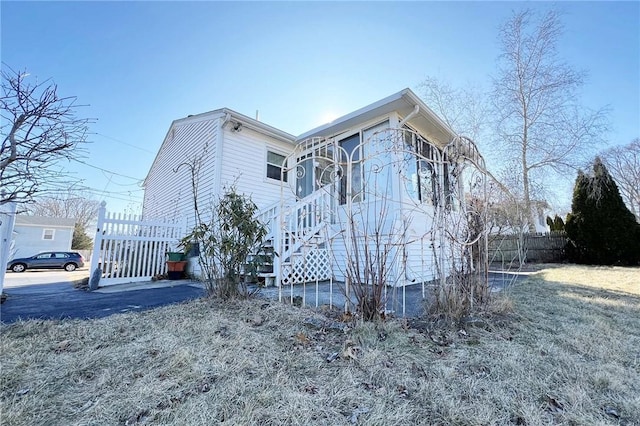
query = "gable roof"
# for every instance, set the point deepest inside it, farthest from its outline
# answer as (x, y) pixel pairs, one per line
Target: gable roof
(404, 102)
(246, 121)
(58, 222)
(229, 115)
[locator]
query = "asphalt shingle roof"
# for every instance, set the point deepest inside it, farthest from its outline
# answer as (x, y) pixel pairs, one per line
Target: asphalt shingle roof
(45, 221)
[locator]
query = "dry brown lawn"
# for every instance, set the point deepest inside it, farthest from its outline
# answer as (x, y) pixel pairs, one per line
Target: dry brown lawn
(568, 353)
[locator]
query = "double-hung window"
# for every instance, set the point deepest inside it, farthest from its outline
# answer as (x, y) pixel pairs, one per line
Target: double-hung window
(275, 164)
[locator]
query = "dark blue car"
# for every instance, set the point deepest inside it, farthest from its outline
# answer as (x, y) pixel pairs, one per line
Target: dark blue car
(67, 260)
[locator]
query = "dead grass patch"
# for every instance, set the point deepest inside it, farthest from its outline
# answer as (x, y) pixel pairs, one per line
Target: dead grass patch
(616, 278)
(562, 357)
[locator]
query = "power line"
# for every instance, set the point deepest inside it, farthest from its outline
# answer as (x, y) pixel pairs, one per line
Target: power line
(97, 194)
(125, 143)
(75, 186)
(61, 188)
(119, 184)
(105, 170)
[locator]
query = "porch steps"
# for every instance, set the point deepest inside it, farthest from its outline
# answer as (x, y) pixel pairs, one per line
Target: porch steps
(260, 262)
(269, 278)
(295, 233)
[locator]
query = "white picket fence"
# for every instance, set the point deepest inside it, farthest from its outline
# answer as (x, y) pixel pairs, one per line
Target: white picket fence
(7, 221)
(129, 249)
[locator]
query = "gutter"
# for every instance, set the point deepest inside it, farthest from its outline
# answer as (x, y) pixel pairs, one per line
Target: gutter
(218, 150)
(416, 110)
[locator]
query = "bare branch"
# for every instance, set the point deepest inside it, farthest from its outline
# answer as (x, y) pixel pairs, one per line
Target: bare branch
(72, 205)
(623, 163)
(538, 118)
(39, 129)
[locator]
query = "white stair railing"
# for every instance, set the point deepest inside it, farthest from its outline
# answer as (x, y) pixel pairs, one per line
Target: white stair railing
(269, 217)
(289, 227)
(302, 222)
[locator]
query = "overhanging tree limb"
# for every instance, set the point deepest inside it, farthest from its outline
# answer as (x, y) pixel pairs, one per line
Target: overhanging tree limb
(39, 128)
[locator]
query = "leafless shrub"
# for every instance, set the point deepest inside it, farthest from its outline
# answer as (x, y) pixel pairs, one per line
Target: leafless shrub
(372, 250)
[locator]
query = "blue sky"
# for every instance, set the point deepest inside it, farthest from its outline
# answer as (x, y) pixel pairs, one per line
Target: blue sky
(140, 65)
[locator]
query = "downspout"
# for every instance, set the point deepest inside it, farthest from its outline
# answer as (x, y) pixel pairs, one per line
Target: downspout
(217, 177)
(405, 228)
(416, 110)
(227, 118)
(218, 150)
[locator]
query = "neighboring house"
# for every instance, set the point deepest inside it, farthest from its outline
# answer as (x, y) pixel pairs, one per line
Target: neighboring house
(540, 211)
(390, 175)
(507, 219)
(35, 234)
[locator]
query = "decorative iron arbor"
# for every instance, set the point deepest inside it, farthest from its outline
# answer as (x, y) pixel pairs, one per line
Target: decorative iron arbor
(384, 211)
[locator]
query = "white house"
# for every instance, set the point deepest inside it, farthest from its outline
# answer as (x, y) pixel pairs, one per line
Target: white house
(389, 184)
(35, 234)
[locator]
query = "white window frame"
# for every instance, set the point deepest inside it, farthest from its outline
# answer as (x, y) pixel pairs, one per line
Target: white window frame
(44, 234)
(267, 164)
(362, 147)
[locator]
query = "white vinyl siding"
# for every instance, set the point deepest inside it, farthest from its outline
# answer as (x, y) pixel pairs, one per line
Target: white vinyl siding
(244, 165)
(168, 190)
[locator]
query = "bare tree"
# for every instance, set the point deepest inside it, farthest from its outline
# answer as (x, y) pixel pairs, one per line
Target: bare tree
(39, 128)
(623, 163)
(72, 206)
(539, 120)
(464, 109)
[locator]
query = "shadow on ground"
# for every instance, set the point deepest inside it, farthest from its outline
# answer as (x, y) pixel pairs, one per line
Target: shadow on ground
(62, 300)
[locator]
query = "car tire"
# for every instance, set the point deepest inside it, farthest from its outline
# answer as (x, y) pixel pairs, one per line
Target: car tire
(19, 267)
(70, 267)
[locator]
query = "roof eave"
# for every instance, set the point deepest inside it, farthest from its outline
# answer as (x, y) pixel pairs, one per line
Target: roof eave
(401, 100)
(261, 127)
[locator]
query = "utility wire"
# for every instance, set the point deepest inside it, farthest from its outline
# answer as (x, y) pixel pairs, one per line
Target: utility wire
(97, 194)
(78, 186)
(105, 170)
(52, 187)
(125, 143)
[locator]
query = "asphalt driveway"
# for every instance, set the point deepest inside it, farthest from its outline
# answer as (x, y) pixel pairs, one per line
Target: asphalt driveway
(62, 300)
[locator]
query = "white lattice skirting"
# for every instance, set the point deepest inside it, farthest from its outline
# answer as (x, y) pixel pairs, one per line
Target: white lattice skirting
(314, 265)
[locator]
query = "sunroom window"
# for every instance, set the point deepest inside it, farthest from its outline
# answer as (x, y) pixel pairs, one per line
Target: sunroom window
(420, 160)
